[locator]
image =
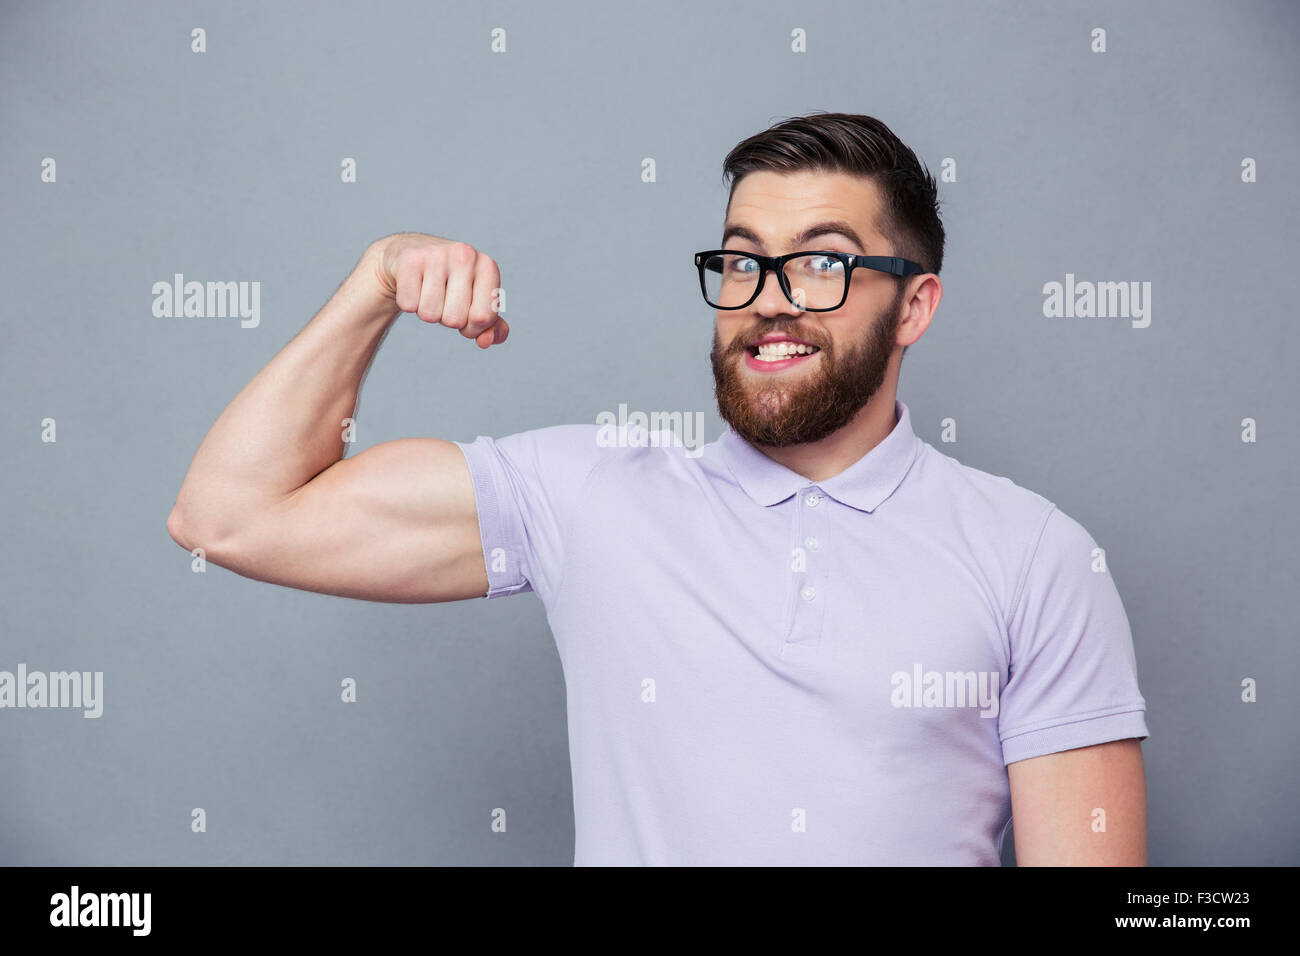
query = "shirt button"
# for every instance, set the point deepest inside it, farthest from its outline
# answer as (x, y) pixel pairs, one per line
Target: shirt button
(812, 500)
(808, 593)
(812, 544)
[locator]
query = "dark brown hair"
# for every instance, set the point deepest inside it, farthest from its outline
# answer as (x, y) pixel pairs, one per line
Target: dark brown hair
(860, 145)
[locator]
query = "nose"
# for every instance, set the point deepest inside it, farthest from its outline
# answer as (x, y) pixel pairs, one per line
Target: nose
(772, 300)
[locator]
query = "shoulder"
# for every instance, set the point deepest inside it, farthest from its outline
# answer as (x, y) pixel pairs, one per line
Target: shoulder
(576, 451)
(994, 500)
(1006, 528)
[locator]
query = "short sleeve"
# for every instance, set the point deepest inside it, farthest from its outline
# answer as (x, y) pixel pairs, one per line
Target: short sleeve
(1073, 674)
(526, 487)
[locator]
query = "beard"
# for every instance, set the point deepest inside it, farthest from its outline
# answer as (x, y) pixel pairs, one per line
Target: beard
(795, 410)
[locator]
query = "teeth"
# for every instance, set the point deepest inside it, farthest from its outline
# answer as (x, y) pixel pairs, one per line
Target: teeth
(776, 351)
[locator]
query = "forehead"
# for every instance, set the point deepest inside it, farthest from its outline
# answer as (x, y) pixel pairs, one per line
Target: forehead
(778, 206)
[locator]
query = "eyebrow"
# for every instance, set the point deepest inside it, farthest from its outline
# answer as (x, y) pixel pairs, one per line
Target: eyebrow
(825, 228)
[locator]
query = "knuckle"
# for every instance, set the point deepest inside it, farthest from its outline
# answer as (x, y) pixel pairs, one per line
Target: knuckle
(461, 253)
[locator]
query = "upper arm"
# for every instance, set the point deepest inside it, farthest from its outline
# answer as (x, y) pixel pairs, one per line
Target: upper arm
(1072, 715)
(1081, 807)
(397, 522)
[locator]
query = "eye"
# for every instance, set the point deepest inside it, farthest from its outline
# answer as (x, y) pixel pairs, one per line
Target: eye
(825, 264)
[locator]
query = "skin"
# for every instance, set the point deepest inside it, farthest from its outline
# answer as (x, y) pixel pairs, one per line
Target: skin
(270, 496)
(1053, 799)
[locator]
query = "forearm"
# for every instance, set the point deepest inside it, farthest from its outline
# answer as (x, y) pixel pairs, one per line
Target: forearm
(286, 425)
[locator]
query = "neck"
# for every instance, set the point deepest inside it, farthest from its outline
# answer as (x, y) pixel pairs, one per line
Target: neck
(820, 460)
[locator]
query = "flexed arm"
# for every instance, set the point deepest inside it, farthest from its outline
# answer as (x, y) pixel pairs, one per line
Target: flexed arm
(269, 495)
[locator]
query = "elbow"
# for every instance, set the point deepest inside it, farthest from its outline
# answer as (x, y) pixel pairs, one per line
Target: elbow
(191, 534)
(178, 528)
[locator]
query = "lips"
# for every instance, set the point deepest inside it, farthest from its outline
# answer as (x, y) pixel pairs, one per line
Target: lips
(778, 350)
(775, 356)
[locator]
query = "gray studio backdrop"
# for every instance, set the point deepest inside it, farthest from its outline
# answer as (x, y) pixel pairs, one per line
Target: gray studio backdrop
(1166, 160)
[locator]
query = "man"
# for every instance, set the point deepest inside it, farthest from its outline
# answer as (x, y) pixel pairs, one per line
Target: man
(821, 641)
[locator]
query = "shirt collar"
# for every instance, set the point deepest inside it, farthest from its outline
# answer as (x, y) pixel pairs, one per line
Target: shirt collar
(863, 485)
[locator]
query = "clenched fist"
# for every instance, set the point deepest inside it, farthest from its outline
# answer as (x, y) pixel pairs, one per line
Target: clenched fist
(443, 282)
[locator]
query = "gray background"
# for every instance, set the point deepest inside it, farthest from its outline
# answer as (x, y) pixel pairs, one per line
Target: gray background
(223, 693)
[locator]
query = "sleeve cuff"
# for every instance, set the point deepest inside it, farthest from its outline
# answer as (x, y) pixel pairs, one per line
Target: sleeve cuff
(503, 558)
(1074, 732)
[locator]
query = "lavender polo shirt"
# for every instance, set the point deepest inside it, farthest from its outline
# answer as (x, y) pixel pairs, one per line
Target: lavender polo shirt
(766, 670)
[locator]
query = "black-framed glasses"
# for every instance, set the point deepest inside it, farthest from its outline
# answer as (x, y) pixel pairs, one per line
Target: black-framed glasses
(815, 281)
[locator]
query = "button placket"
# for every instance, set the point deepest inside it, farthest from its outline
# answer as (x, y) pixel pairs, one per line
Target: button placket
(810, 585)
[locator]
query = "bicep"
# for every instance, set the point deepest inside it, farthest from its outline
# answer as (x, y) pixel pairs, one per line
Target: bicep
(1081, 807)
(396, 522)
